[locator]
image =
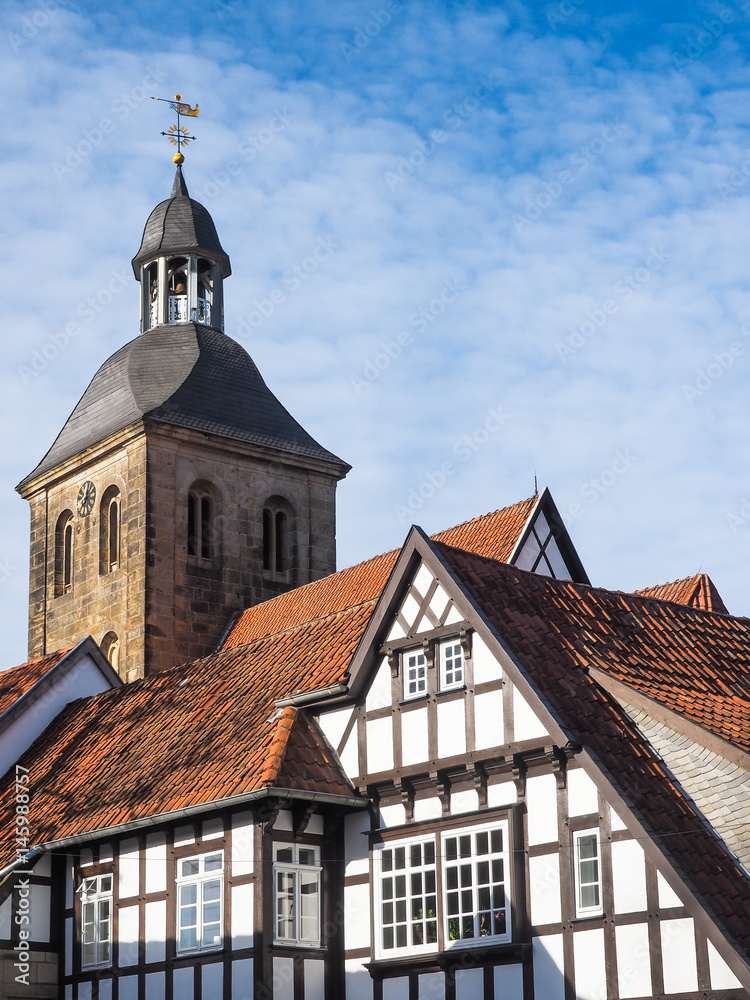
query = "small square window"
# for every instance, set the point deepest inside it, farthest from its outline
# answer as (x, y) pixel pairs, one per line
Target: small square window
(451, 664)
(415, 673)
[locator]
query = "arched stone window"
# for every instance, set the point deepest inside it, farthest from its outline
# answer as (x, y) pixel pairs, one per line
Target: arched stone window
(110, 646)
(279, 553)
(109, 530)
(201, 521)
(64, 553)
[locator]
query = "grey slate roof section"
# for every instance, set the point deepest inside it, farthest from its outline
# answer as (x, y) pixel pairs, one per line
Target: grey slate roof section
(180, 225)
(188, 376)
(719, 788)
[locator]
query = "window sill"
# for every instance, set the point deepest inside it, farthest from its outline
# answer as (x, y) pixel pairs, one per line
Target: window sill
(209, 949)
(305, 945)
(424, 696)
(450, 690)
(584, 918)
(452, 958)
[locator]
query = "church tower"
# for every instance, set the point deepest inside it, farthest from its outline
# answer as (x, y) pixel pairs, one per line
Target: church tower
(180, 490)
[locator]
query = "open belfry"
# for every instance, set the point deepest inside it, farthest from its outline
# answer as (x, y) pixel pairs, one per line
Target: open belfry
(180, 490)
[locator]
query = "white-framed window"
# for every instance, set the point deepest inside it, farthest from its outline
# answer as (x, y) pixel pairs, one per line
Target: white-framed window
(408, 896)
(476, 885)
(588, 872)
(296, 876)
(414, 665)
(451, 656)
(200, 884)
(96, 921)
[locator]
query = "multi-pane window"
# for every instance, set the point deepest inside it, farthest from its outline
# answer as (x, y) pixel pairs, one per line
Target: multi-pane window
(296, 874)
(475, 872)
(199, 902)
(588, 872)
(408, 895)
(415, 672)
(451, 664)
(96, 921)
(200, 542)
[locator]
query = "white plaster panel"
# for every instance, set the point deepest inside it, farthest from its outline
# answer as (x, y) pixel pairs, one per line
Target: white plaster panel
(526, 724)
(393, 815)
(414, 746)
(106, 853)
(590, 968)
(667, 896)
(156, 985)
(508, 982)
(349, 756)
(242, 915)
(464, 801)
(284, 821)
(409, 611)
(43, 867)
(395, 989)
(315, 826)
(379, 745)
(87, 857)
(633, 960)
(84, 991)
(283, 979)
(6, 916)
(69, 887)
(334, 725)
(432, 986)
(541, 803)
(213, 828)
(155, 918)
(358, 981)
(356, 852)
(156, 862)
(451, 723)
(502, 794)
(547, 956)
(128, 868)
(315, 981)
(544, 880)
(242, 979)
(678, 956)
(615, 822)
(128, 935)
(469, 984)
(105, 989)
(39, 912)
(427, 809)
(379, 695)
(722, 977)
(454, 616)
(68, 946)
(243, 843)
(127, 988)
(439, 602)
(212, 981)
(486, 667)
(396, 632)
(184, 983)
(423, 579)
(488, 720)
(357, 916)
(583, 797)
(629, 876)
(184, 835)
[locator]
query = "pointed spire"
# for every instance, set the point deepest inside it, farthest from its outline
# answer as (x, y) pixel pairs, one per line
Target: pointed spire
(179, 188)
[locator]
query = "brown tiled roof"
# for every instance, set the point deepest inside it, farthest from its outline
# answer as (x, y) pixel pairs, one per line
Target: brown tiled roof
(493, 535)
(557, 629)
(17, 681)
(188, 736)
(697, 591)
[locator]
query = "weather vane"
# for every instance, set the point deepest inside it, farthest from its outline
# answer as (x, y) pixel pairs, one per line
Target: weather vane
(177, 134)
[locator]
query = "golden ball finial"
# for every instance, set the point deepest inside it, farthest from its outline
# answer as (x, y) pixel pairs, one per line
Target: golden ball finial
(178, 97)
(178, 158)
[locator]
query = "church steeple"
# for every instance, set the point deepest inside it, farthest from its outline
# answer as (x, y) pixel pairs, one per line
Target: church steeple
(181, 264)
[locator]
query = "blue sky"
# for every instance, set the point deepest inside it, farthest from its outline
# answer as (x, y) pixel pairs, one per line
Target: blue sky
(533, 231)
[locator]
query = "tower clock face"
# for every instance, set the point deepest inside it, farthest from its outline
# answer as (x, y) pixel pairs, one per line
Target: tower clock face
(86, 498)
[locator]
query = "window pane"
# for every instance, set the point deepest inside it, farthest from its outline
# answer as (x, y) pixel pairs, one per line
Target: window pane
(309, 908)
(307, 856)
(213, 863)
(285, 854)
(188, 868)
